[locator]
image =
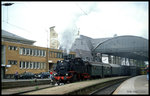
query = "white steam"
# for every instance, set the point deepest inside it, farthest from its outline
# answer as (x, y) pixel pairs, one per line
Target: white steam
(67, 38)
(69, 30)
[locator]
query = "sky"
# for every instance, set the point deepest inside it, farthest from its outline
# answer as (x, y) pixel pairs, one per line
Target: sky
(32, 20)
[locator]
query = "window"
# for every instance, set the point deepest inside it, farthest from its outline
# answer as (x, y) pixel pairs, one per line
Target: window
(13, 62)
(41, 52)
(31, 65)
(15, 48)
(57, 54)
(60, 55)
(27, 65)
(12, 48)
(21, 51)
(38, 53)
(44, 64)
(35, 52)
(24, 65)
(50, 54)
(31, 52)
(35, 66)
(38, 65)
(44, 53)
(24, 51)
(28, 51)
(21, 64)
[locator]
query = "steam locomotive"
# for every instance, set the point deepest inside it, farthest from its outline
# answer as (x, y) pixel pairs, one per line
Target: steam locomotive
(71, 70)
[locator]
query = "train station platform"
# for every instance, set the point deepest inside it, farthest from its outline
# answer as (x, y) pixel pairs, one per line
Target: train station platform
(77, 87)
(136, 85)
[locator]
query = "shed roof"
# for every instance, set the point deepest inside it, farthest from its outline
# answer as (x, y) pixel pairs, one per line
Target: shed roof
(132, 47)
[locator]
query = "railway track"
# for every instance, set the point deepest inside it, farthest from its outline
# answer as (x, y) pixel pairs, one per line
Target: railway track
(107, 90)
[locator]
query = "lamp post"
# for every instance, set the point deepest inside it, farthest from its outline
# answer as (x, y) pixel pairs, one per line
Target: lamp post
(7, 4)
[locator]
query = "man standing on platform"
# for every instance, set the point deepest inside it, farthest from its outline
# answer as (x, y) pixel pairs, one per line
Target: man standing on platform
(147, 70)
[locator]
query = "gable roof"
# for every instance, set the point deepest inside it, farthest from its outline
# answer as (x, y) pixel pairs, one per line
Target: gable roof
(7, 36)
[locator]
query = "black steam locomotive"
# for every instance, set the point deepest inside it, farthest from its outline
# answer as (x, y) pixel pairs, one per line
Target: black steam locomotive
(71, 70)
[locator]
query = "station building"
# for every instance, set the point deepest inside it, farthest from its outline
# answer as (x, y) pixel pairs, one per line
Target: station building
(19, 54)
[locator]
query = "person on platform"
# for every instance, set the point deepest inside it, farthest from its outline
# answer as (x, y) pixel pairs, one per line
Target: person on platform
(16, 76)
(147, 70)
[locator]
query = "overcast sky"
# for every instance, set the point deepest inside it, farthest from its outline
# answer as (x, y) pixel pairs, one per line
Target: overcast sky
(32, 20)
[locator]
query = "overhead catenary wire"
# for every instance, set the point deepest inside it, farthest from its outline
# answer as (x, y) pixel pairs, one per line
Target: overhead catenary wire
(13, 25)
(16, 26)
(81, 9)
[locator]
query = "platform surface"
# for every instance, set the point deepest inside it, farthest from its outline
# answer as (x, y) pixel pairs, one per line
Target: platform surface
(65, 89)
(135, 85)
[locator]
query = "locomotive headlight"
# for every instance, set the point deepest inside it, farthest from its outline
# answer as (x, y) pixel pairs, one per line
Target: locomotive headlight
(66, 74)
(55, 74)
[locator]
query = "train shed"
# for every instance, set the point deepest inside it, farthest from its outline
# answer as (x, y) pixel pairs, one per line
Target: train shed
(118, 49)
